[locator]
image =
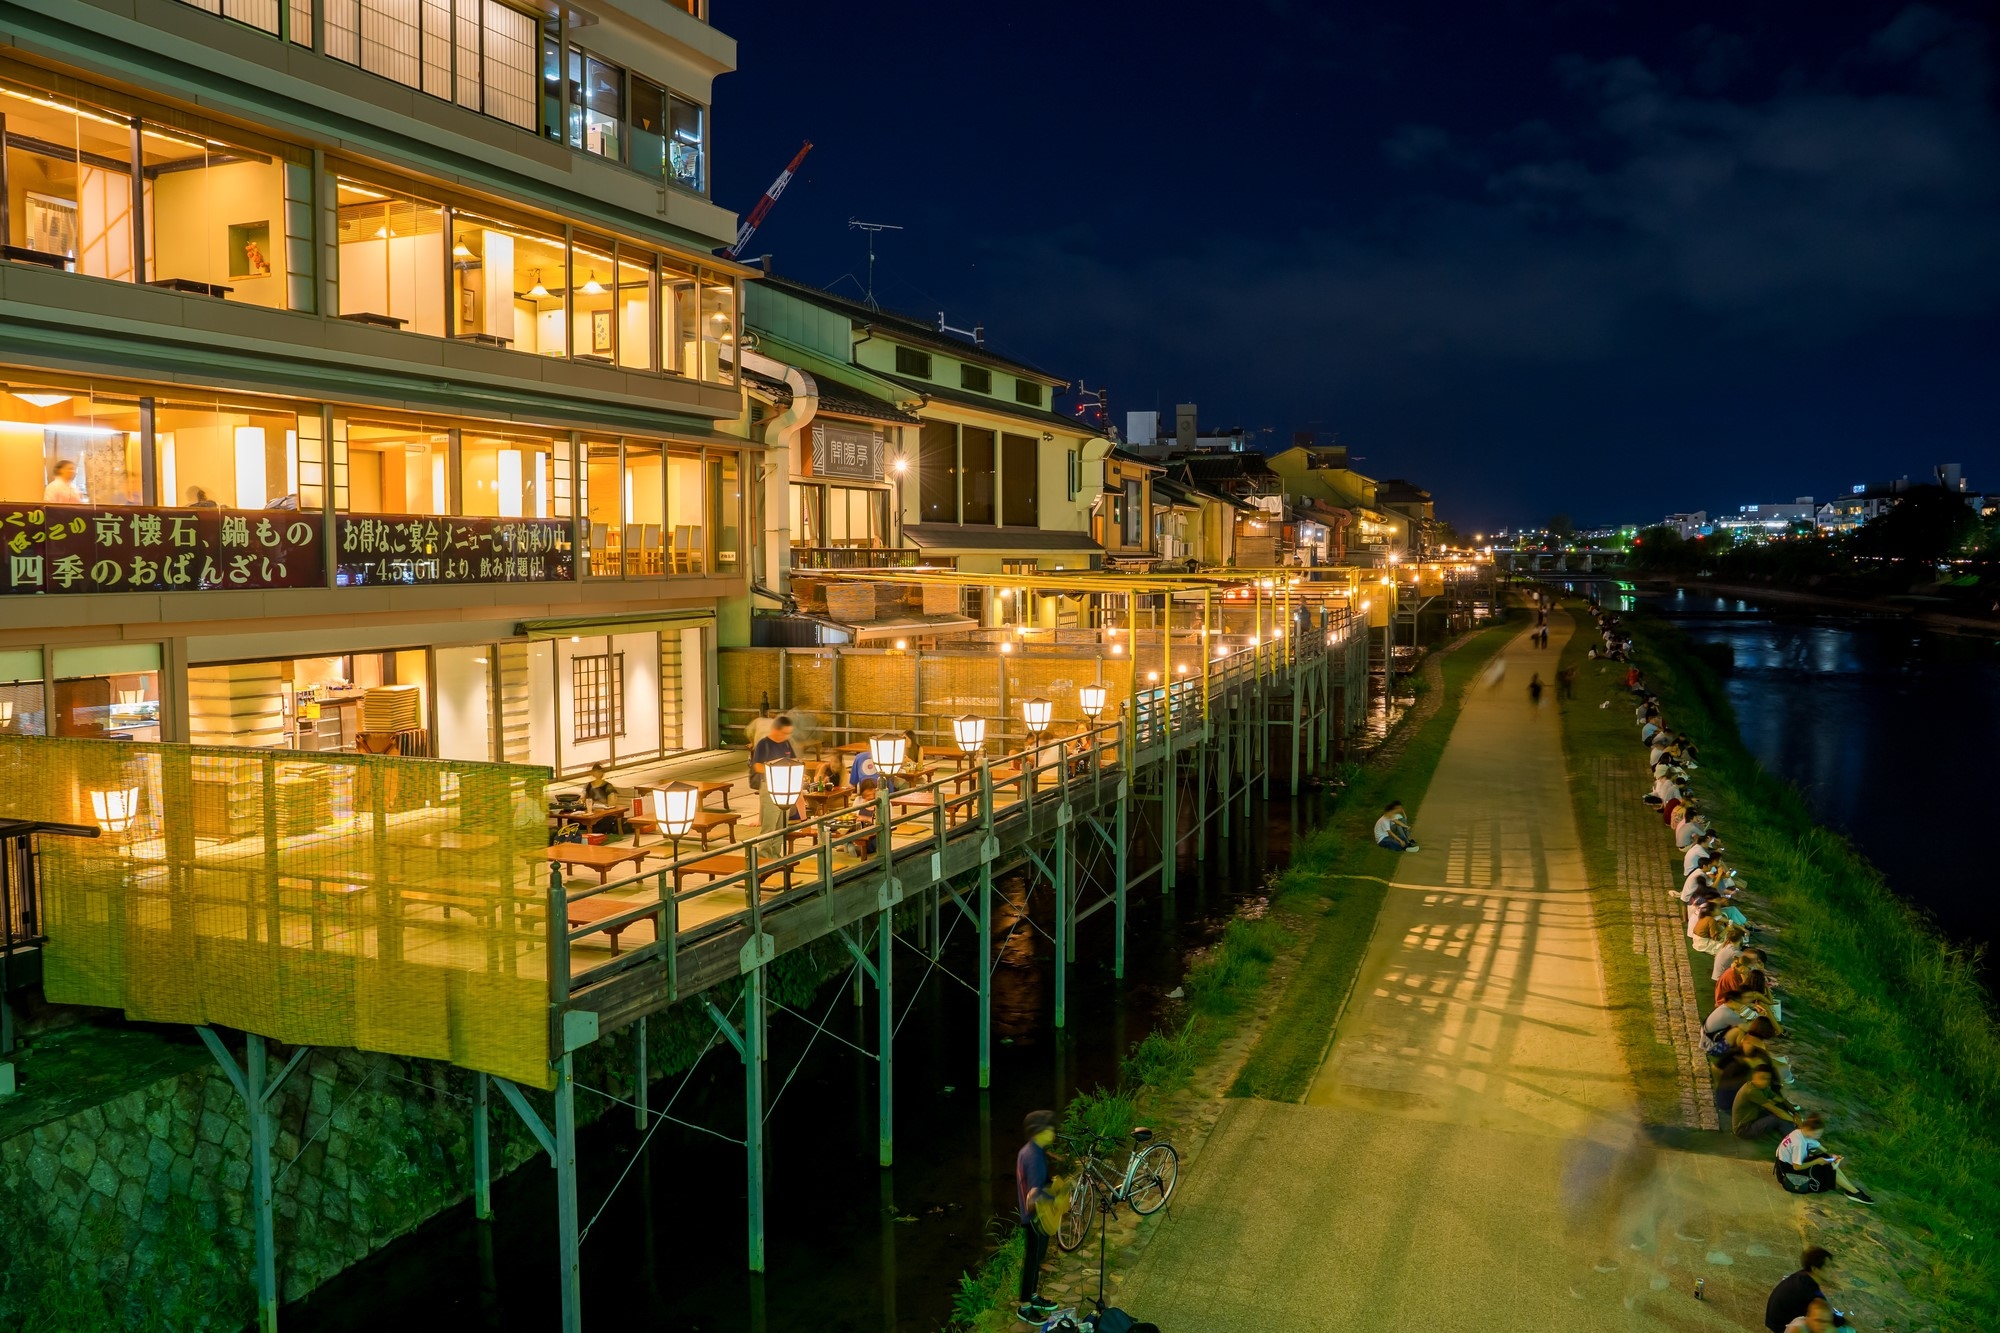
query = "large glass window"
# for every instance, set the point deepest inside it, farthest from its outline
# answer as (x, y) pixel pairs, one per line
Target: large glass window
(596, 106)
(398, 468)
(725, 511)
(68, 177)
(216, 219)
(687, 162)
(644, 537)
(392, 259)
(808, 527)
(595, 273)
(635, 309)
(685, 514)
(58, 446)
(513, 476)
(857, 516)
(718, 334)
(22, 710)
(937, 472)
(647, 138)
(1020, 481)
(604, 507)
(680, 324)
(110, 692)
(226, 455)
(976, 457)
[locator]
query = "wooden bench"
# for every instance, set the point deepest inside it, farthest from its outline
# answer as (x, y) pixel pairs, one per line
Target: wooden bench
(715, 867)
(586, 911)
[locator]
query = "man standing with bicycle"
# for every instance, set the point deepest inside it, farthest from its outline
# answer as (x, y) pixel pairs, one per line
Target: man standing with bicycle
(1031, 1186)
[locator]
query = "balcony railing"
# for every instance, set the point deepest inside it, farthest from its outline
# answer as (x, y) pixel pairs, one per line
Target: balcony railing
(849, 557)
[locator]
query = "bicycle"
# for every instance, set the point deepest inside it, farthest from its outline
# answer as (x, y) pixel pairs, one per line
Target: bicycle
(1151, 1172)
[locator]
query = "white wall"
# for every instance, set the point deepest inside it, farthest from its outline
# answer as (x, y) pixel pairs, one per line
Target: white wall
(464, 703)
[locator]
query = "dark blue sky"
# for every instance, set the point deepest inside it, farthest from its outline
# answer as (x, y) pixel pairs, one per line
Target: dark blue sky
(1610, 259)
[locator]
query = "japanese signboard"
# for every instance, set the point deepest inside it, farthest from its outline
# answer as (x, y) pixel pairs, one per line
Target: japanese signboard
(399, 549)
(55, 549)
(846, 451)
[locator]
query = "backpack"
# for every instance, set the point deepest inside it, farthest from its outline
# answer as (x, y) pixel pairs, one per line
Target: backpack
(1114, 1320)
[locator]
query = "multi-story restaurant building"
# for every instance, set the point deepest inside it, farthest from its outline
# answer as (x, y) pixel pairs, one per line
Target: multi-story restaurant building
(350, 344)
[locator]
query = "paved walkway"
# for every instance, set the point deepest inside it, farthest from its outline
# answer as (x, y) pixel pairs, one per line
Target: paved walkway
(1469, 1156)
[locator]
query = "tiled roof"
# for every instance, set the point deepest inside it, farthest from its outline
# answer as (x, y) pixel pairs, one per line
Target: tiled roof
(836, 399)
(999, 406)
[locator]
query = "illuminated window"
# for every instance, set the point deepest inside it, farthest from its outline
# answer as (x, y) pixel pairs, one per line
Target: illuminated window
(597, 695)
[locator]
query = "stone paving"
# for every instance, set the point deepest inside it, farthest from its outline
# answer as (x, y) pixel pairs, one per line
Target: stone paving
(1659, 934)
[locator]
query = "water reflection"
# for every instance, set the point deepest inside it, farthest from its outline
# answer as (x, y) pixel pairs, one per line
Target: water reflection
(1889, 732)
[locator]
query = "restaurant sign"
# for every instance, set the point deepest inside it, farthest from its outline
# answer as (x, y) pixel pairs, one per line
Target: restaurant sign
(54, 549)
(846, 451)
(401, 550)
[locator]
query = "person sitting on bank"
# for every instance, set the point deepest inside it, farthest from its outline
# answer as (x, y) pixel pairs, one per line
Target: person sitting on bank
(1393, 831)
(1803, 1157)
(1760, 1109)
(1744, 976)
(1732, 1069)
(1689, 824)
(1699, 852)
(1734, 942)
(1796, 1291)
(1031, 1186)
(1731, 1013)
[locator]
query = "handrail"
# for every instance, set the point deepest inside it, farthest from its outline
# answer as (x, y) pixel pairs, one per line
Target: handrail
(1058, 760)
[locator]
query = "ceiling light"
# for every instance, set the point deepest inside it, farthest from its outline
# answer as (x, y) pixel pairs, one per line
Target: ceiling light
(42, 399)
(538, 292)
(460, 252)
(593, 287)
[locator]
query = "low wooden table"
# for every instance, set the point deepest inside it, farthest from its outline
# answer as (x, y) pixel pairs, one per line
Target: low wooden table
(715, 867)
(592, 820)
(707, 821)
(819, 803)
(603, 860)
(584, 911)
(925, 800)
(707, 785)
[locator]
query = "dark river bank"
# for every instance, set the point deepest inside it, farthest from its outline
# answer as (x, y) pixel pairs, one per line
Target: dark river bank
(850, 1246)
(1892, 732)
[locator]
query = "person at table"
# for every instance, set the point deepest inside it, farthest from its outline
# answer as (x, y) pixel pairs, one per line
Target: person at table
(863, 770)
(597, 788)
(61, 489)
(775, 745)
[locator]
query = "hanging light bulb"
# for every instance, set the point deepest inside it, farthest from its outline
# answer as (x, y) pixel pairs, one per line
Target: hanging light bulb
(460, 252)
(538, 292)
(593, 287)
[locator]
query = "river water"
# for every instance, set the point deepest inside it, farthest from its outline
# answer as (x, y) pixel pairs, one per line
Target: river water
(850, 1246)
(1892, 732)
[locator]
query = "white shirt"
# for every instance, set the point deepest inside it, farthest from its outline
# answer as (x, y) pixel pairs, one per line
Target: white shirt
(1386, 823)
(1724, 956)
(1796, 1147)
(1687, 830)
(1724, 1017)
(1650, 730)
(1694, 881)
(1696, 854)
(1667, 790)
(60, 492)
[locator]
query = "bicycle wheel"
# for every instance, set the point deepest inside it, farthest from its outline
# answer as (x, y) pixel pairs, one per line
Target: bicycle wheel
(1076, 1219)
(1154, 1176)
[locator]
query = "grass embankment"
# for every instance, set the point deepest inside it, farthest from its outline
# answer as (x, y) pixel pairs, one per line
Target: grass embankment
(1337, 879)
(1894, 1018)
(1333, 888)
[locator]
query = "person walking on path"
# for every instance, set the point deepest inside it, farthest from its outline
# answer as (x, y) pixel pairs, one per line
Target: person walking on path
(1031, 1186)
(1535, 689)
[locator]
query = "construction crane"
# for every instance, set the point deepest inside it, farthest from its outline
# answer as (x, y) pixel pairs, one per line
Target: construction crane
(763, 208)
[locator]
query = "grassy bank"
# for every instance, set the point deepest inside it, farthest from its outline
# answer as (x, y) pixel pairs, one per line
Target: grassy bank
(1337, 879)
(1894, 1027)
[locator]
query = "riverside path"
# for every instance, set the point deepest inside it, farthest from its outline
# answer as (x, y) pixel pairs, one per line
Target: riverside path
(1469, 1155)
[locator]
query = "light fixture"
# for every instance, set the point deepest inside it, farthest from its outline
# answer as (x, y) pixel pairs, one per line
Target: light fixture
(1090, 699)
(1036, 713)
(538, 292)
(1117, 650)
(115, 808)
(593, 287)
(1152, 677)
(42, 399)
(1221, 653)
(902, 644)
(131, 698)
(970, 733)
(460, 252)
(1182, 668)
(1253, 640)
(1006, 645)
(674, 807)
(902, 465)
(889, 753)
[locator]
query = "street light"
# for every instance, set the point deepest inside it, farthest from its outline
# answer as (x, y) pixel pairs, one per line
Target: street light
(785, 779)
(1037, 713)
(674, 808)
(970, 732)
(1091, 700)
(115, 807)
(888, 753)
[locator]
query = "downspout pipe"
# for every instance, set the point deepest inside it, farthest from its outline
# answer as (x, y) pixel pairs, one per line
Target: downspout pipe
(781, 432)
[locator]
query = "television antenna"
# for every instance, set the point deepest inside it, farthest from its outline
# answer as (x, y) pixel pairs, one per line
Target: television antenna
(856, 224)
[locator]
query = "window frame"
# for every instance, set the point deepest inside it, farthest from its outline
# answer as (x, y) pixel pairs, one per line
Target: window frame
(1027, 392)
(913, 362)
(977, 379)
(607, 678)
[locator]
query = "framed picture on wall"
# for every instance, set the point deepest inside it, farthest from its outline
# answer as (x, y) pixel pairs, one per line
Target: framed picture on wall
(250, 250)
(468, 307)
(600, 331)
(51, 224)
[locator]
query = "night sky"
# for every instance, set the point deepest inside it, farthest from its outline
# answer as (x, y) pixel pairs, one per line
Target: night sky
(1606, 259)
